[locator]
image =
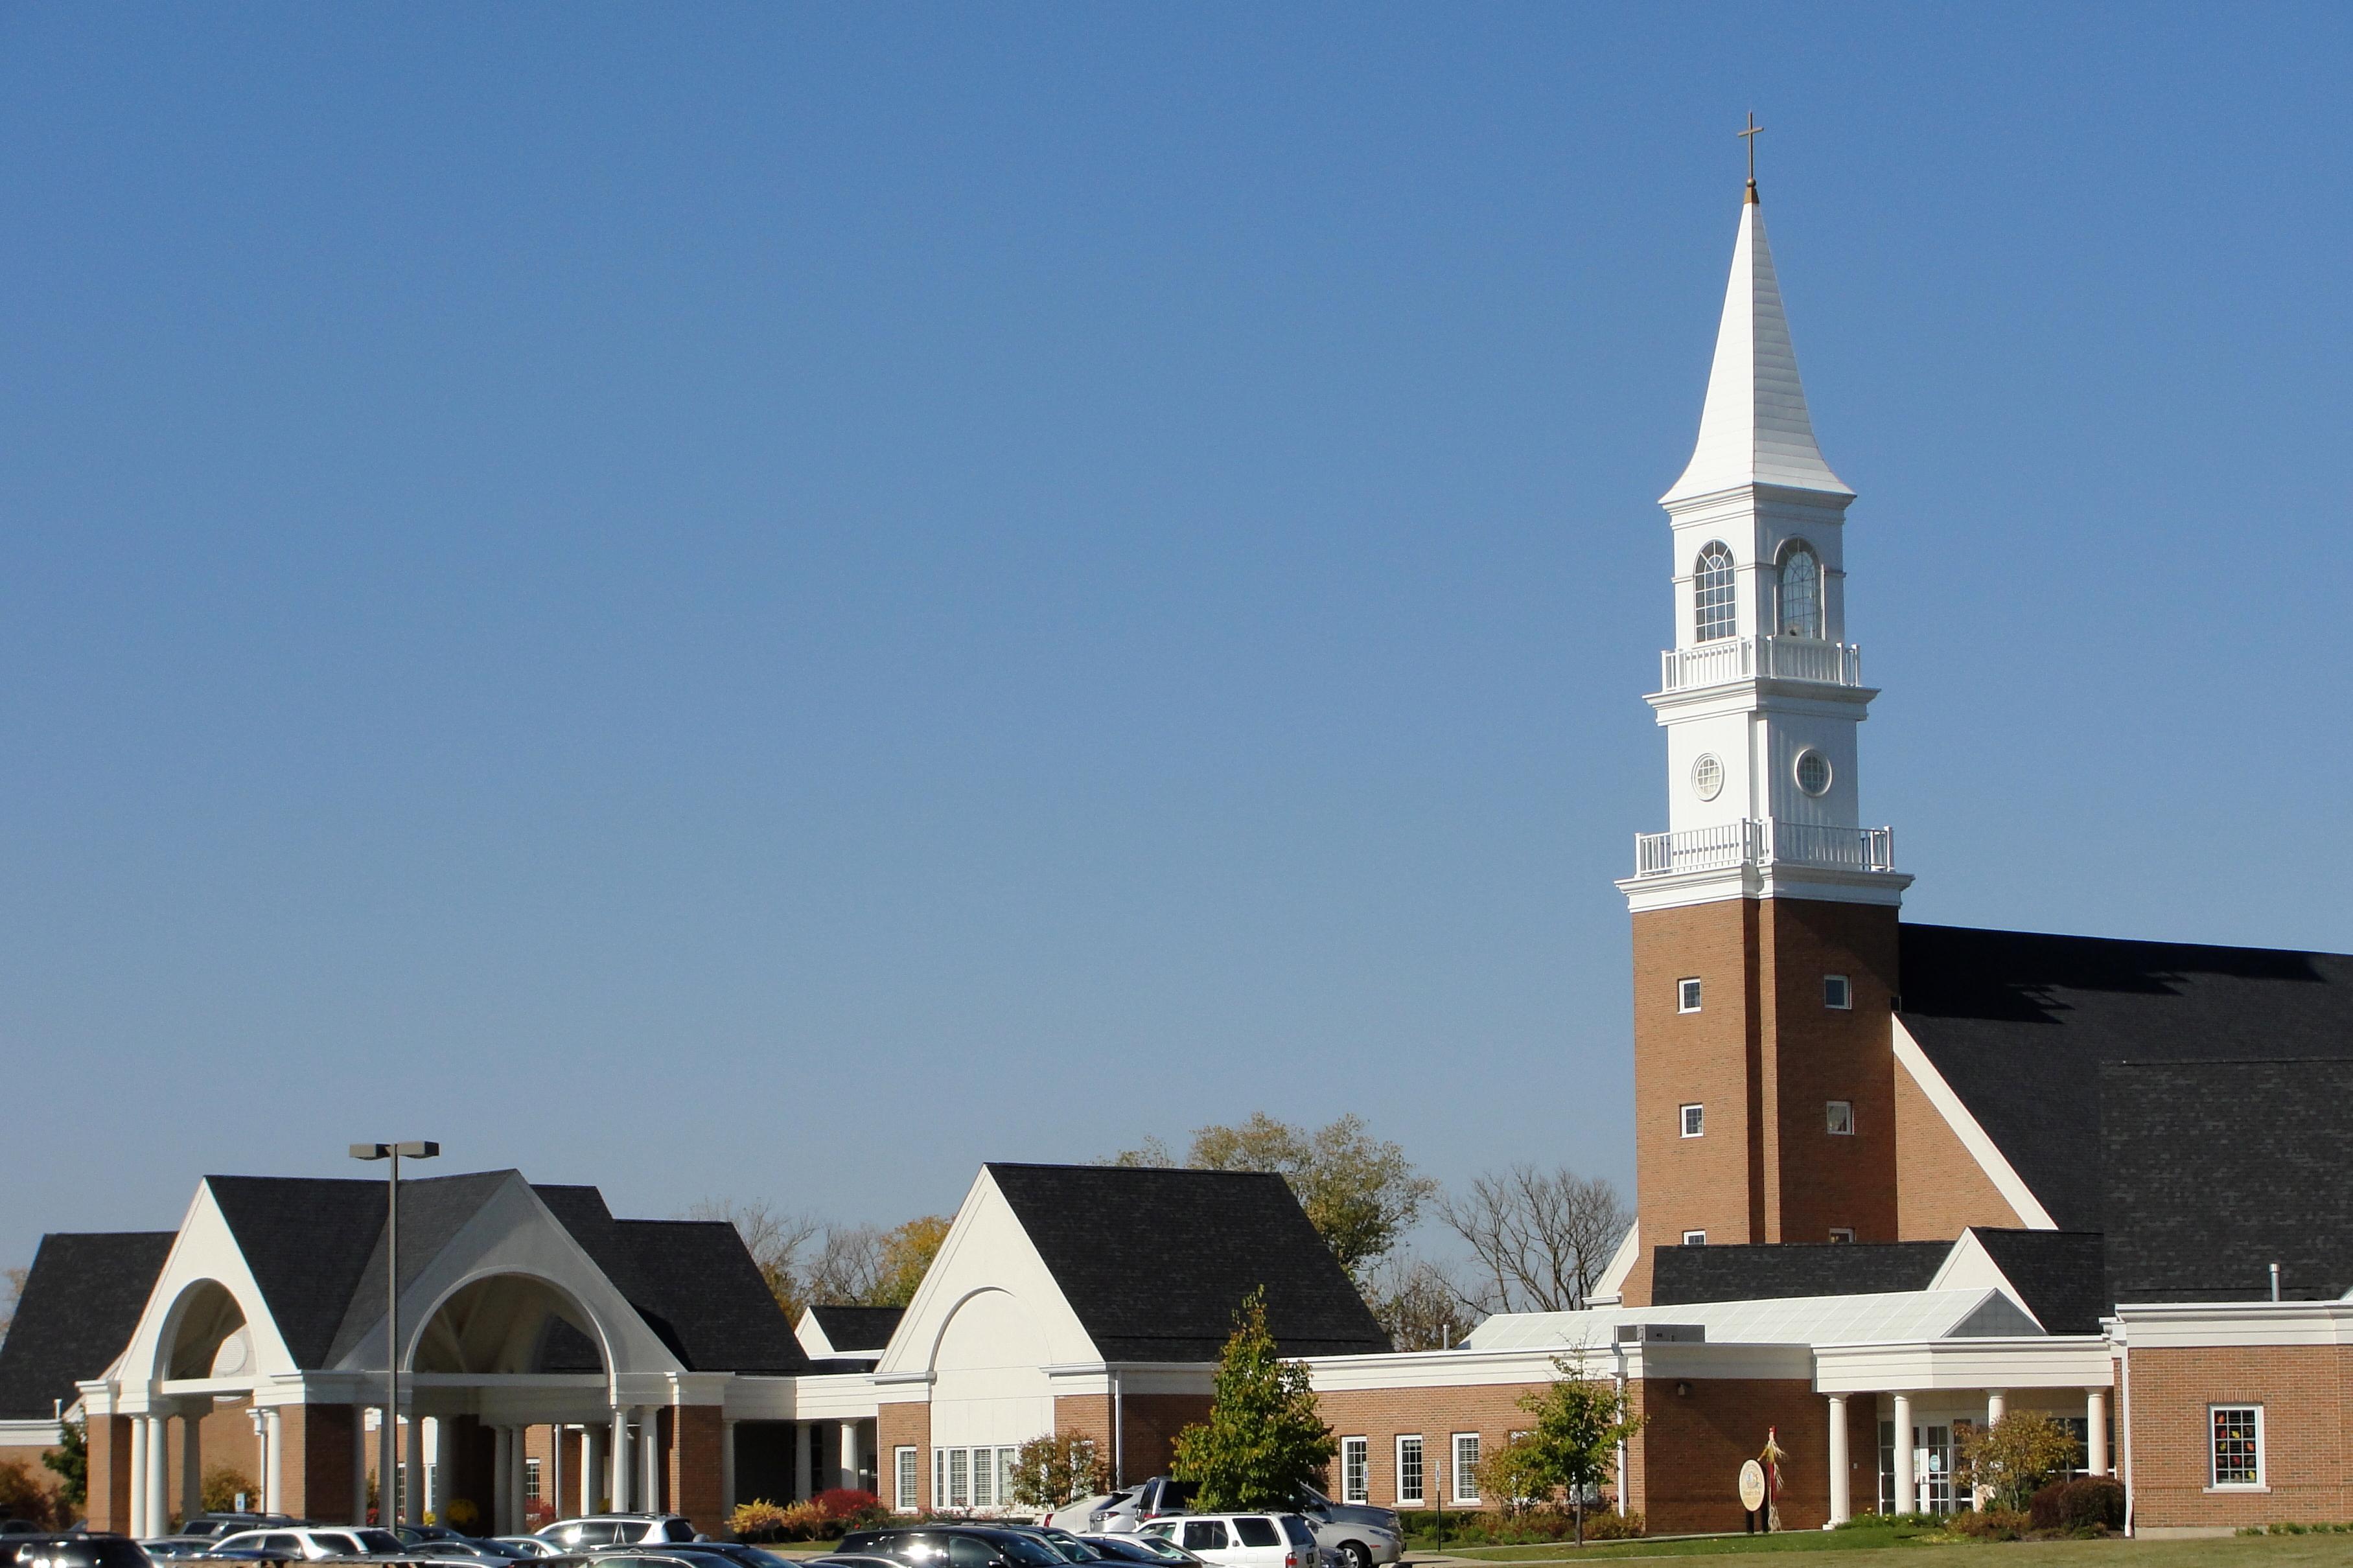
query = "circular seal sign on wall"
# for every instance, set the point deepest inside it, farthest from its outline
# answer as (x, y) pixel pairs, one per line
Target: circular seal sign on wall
(1752, 1486)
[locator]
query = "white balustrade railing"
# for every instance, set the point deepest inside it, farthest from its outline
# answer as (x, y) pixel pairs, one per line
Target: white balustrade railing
(1748, 658)
(1762, 841)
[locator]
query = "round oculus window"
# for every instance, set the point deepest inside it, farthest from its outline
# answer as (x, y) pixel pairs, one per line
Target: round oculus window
(1707, 776)
(1813, 772)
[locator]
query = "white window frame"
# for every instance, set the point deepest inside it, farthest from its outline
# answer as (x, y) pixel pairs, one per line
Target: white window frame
(2214, 1460)
(1835, 1112)
(1695, 1238)
(1688, 994)
(1005, 1459)
(1838, 994)
(1420, 1496)
(939, 1478)
(1690, 1121)
(984, 1478)
(1841, 1233)
(1466, 1475)
(1357, 1485)
(906, 1473)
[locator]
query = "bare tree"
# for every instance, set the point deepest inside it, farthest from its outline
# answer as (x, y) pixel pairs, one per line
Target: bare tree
(1541, 1239)
(775, 1241)
(13, 1281)
(1420, 1307)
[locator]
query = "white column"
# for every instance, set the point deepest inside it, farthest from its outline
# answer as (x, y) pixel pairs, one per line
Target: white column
(359, 1463)
(1997, 1405)
(139, 1529)
(555, 1486)
(1840, 1511)
(1908, 1498)
(274, 1489)
(515, 1483)
(412, 1496)
(849, 1454)
(192, 1465)
(501, 1442)
(2096, 1431)
(726, 1468)
(620, 1458)
(649, 1458)
(159, 1478)
(596, 1468)
(804, 1460)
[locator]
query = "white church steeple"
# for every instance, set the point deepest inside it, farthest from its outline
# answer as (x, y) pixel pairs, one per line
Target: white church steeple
(1761, 694)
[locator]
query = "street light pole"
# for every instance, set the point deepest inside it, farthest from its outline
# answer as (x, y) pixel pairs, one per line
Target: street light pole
(388, 1461)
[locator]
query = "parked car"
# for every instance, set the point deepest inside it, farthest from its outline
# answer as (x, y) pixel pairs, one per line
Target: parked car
(713, 1553)
(529, 1545)
(470, 1549)
(1243, 1539)
(955, 1546)
(1073, 1548)
(617, 1530)
(21, 1527)
(1125, 1512)
(418, 1534)
(313, 1544)
(1360, 1534)
(70, 1550)
(170, 1546)
(845, 1560)
(1080, 1513)
(218, 1525)
(1146, 1548)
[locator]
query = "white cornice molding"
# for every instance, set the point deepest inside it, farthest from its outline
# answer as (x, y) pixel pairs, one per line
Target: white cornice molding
(1973, 1137)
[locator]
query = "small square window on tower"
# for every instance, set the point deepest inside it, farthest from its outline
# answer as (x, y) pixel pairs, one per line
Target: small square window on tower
(1838, 1118)
(1694, 1120)
(1686, 995)
(1837, 994)
(1695, 1238)
(1841, 1233)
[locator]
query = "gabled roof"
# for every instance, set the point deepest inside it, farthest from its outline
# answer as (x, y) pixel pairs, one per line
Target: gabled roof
(698, 1288)
(286, 1218)
(2058, 1273)
(2019, 1022)
(1754, 427)
(2217, 1170)
(1744, 1273)
(1155, 1262)
(81, 1300)
(854, 1329)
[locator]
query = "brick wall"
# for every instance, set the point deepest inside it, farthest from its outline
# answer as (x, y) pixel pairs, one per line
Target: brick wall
(1382, 1416)
(1765, 1056)
(694, 1465)
(2305, 1392)
(1940, 1190)
(317, 1469)
(110, 1472)
(1685, 1474)
(907, 1425)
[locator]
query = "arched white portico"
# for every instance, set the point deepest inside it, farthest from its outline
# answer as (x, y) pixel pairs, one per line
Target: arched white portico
(990, 1394)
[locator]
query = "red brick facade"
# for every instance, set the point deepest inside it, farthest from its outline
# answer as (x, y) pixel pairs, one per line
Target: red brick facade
(694, 1465)
(1940, 1189)
(2307, 1396)
(1381, 1415)
(1152, 1420)
(1764, 1055)
(904, 1426)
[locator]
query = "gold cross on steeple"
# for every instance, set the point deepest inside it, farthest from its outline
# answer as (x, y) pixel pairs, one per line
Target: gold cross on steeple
(1749, 136)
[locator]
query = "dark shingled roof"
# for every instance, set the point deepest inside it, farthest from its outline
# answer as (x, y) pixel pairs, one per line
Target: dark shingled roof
(2218, 1170)
(1157, 1262)
(81, 1300)
(854, 1329)
(699, 1289)
(1683, 1275)
(2057, 1273)
(2019, 1023)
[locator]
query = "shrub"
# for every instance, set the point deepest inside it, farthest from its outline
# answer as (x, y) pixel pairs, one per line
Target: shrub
(222, 1483)
(1054, 1469)
(23, 1495)
(758, 1520)
(538, 1515)
(461, 1515)
(1993, 1524)
(841, 1504)
(2016, 1456)
(2087, 1502)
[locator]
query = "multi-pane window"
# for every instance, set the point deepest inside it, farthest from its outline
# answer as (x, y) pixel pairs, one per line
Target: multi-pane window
(1409, 1468)
(2238, 1445)
(1800, 594)
(530, 1481)
(1711, 595)
(1466, 1466)
(1838, 1118)
(1004, 1458)
(959, 1478)
(1695, 1238)
(1837, 994)
(1354, 1464)
(984, 1478)
(906, 1501)
(1841, 1233)
(1694, 1120)
(1687, 995)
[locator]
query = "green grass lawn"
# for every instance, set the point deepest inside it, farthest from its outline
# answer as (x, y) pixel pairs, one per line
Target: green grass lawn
(2286, 1551)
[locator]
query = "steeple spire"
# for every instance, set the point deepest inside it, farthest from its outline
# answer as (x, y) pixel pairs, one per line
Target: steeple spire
(1753, 428)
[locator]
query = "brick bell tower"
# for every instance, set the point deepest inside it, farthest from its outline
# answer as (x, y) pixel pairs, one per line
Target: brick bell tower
(1765, 917)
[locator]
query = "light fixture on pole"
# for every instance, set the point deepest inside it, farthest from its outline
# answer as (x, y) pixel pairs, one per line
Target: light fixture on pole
(387, 1462)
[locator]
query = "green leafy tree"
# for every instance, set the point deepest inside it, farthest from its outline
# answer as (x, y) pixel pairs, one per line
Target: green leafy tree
(1580, 1421)
(2016, 1456)
(1053, 1470)
(1360, 1192)
(69, 1461)
(1264, 1438)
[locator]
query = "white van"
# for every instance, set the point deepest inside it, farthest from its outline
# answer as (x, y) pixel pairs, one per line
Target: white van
(1243, 1540)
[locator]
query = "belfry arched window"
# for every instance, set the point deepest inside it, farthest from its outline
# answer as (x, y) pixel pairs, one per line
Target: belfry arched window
(1711, 595)
(1799, 594)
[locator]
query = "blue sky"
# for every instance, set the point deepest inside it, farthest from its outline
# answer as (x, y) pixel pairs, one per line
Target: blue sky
(778, 601)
